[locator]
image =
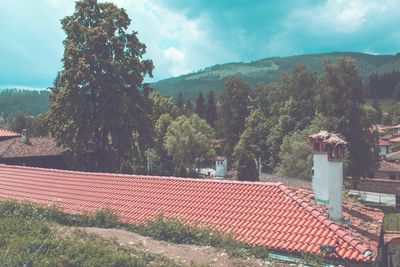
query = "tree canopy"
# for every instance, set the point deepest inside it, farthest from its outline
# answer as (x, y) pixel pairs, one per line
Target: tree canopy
(188, 140)
(99, 104)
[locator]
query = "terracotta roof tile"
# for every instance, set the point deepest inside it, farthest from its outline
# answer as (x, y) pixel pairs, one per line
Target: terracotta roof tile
(38, 146)
(256, 213)
(5, 134)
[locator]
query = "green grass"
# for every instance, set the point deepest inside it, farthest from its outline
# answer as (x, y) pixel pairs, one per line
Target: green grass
(385, 103)
(29, 238)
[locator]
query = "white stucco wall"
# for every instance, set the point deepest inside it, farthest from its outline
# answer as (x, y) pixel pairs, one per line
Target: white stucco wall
(221, 168)
(335, 205)
(320, 181)
(327, 184)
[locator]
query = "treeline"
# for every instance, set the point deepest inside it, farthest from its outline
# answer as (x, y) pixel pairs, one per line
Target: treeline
(384, 85)
(29, 102)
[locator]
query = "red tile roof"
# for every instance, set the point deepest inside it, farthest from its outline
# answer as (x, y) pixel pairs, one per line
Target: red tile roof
(383, 142)
(264, 214)
(395, 140)
(4, 134)
(38, 146)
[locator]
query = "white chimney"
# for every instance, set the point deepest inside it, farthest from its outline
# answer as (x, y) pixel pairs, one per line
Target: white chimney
(327, 183)
(25, 136)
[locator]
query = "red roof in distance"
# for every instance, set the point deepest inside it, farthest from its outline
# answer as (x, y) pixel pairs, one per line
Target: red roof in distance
(263, 214)
(395, 140)
(5, 134)
(383, 142)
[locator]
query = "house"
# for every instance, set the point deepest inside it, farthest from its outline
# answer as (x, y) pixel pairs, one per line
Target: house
(386, 169)
(20, 149)
(221, 167)
(288, 222)
(385, 147)
(394, 156)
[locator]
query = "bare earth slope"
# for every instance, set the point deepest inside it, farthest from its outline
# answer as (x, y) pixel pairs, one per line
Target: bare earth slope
(185, 254)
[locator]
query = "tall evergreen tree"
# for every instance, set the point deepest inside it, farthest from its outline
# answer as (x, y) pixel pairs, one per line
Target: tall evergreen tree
(180, 103)
(188, 107)
(341, 96)
(211, 109)
(200, 105)
(99, 102)
(234, 109)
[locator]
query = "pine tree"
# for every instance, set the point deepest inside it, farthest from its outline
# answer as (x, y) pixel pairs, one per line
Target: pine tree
(341, 97)
(99, 102)
(211, 109)
(200, 106)
(188, 107)
(180, 103)
(234, 109)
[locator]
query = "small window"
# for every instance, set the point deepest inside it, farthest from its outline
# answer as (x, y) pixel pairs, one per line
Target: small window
(392, 176)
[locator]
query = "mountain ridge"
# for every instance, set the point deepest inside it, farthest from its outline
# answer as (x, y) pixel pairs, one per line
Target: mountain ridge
(268, 70)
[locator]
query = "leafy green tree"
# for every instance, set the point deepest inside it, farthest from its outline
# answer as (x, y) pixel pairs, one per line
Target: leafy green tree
(246, 167)
(394, 114)
(341, 96)
(161, 105)
(295, 156)
(126, 168)
(378, 109)
(211, 109)
(200, 106)
(163, 162)
(371, 114)
(254, 137)
(234, 109)
(99, 104)
(188, 141)
(396, 92)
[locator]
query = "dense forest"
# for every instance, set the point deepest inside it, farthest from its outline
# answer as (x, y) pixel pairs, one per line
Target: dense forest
(29, 102)
(270, 70)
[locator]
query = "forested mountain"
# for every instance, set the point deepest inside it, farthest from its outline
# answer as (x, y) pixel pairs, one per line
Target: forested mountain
(270, 70)
(29, 102)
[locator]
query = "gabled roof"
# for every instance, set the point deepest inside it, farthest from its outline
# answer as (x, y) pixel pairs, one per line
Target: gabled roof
(395, 140)
(393, 156)
(263, 214)
(383, 142)
(37, 146)
(5, 134)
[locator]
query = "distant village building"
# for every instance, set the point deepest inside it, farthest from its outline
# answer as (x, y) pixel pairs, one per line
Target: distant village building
(386, 169)
(221, 167)
(21, 149)
(385, 147)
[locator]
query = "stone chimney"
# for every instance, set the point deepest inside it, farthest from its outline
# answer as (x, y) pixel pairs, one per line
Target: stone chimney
(25, 136)
(327, 183)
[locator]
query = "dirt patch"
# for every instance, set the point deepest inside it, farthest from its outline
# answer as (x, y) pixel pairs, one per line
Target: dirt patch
(185, 254)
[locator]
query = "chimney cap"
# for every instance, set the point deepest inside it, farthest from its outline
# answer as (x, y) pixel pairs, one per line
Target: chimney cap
(327, 138)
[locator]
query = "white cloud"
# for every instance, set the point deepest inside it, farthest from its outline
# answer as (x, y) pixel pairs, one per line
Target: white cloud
(177, 59)
(338, 16)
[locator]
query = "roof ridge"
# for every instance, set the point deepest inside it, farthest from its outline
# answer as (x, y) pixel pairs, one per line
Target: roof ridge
(139, 176)
(337, 229)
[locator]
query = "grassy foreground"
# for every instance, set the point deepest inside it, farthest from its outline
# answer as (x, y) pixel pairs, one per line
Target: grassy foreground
(29, 237)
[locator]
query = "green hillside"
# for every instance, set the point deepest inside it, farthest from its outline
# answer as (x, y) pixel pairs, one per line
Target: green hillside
(269, 70)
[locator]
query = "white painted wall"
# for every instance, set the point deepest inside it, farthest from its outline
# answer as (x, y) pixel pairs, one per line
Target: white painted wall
(327, 184)
(320, 181)
(335, 205)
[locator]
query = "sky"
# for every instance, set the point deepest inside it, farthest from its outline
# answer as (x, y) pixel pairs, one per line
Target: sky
(184, 36)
